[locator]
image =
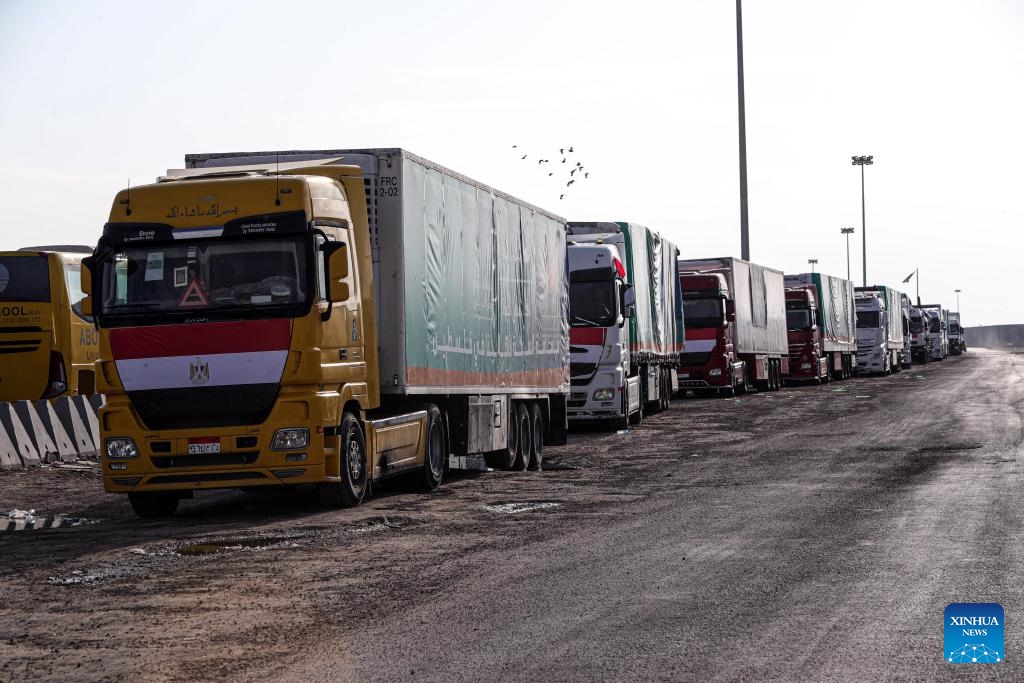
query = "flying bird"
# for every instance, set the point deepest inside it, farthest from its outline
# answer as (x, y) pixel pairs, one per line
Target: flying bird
(579, 164)
(563, 161)
(514, 146)
(573, 171)
(586, 175)
(561, 196)
(550, 174)
(570, 183)
(523, 157)
(570, 150)
(562, 151)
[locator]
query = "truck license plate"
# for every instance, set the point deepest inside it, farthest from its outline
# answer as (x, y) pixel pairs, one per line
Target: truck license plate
(684, 375)
(204, 445)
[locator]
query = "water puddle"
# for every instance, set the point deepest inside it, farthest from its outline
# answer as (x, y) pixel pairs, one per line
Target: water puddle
(515, 508)
(233, 544)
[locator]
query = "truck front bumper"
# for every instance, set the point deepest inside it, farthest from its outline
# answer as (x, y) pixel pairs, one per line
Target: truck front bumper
(583, 405)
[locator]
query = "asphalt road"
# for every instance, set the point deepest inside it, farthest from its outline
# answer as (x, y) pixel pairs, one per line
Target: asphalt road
(812, 534)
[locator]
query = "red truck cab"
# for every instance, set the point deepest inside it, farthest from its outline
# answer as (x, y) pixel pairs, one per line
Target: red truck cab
(806, 360)
(709, 363)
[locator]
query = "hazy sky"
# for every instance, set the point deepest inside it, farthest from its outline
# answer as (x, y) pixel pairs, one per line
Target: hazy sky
(96, 93)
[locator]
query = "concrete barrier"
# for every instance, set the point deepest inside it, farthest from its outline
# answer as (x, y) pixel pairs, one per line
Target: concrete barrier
(71, 419)
(995, 337)
(66, 450)
(44, 444)
(88, 413)
(9, 458)
(18, 435)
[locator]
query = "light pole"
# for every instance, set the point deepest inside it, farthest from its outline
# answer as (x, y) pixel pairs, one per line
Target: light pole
(957, 301)
(862, 162)
(744, 224)
(847, 232)
(812, 261)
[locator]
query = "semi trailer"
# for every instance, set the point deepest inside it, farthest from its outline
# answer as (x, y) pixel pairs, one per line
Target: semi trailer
(821, 327)
(332, 318)
(735, 314)
(625, 321)
(879, 329)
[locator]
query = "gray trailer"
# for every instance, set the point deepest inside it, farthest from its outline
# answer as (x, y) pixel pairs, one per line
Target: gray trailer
(471, 291)
(753, 346)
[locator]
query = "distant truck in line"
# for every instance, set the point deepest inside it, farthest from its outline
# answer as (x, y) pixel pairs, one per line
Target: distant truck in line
(879, 330)
(625, 321)
(821, 327)
(735, 316)
(938, 331)
(919, 335)
(48, 345)
(332, 318)
(957, 342)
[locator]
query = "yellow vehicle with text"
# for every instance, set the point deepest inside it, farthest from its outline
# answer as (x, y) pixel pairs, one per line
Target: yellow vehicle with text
(246, 342)
(47, 345)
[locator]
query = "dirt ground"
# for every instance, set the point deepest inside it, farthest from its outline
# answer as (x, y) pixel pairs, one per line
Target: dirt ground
(462, 583)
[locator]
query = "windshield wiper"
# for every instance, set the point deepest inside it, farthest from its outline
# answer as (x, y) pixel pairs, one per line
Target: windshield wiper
(137, 305)
(591, 323)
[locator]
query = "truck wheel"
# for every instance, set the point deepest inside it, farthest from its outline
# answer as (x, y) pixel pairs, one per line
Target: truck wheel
(523, 438)
(666, 384)
(348, 492)
(154, 504)
(437, 450)
(537, 432)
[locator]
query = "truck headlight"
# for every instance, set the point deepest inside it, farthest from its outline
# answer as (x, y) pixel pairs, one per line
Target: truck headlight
(122, 448)
(604, 394)
(290, 439)
(805, 366)
(715, 372)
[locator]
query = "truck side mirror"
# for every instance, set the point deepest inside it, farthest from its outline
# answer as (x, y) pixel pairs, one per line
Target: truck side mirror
(336, 256)
(730, 312)
(85, 276)
(628, 300)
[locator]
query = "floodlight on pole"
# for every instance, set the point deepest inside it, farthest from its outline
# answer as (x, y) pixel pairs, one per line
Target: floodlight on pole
(812, 261)
(847, 232)
(862, 162)
(744, 219)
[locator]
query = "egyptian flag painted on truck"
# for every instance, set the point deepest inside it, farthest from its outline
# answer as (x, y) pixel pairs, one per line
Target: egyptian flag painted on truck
(202, 375)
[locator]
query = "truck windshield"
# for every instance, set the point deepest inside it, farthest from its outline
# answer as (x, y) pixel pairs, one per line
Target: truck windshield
(934, 327)
(592, 304)
(954, 328)
(798, 317)
(204, 276)
(867, 319)
(916, 325)
(708, 312)
(24, 278)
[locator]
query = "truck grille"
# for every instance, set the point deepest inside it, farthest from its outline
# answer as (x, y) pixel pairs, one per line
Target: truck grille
(582, 370)
(689, 360)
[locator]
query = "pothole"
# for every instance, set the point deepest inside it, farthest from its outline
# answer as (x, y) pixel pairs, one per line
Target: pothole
(515, 508)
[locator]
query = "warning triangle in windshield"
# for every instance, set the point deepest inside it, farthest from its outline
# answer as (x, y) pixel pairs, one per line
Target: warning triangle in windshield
(194, 295)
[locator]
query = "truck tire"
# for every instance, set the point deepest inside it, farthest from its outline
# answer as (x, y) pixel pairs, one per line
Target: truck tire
(154, 504)
(349, 492)
(666, 388)
(524, 438)
(436, 455)
(537, 432)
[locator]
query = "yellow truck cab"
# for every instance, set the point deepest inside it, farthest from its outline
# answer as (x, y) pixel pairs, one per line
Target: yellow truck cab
(47, 344)
(242, 334)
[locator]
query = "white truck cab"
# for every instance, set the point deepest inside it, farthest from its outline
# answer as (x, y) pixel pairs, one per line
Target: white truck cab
(873, 355)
